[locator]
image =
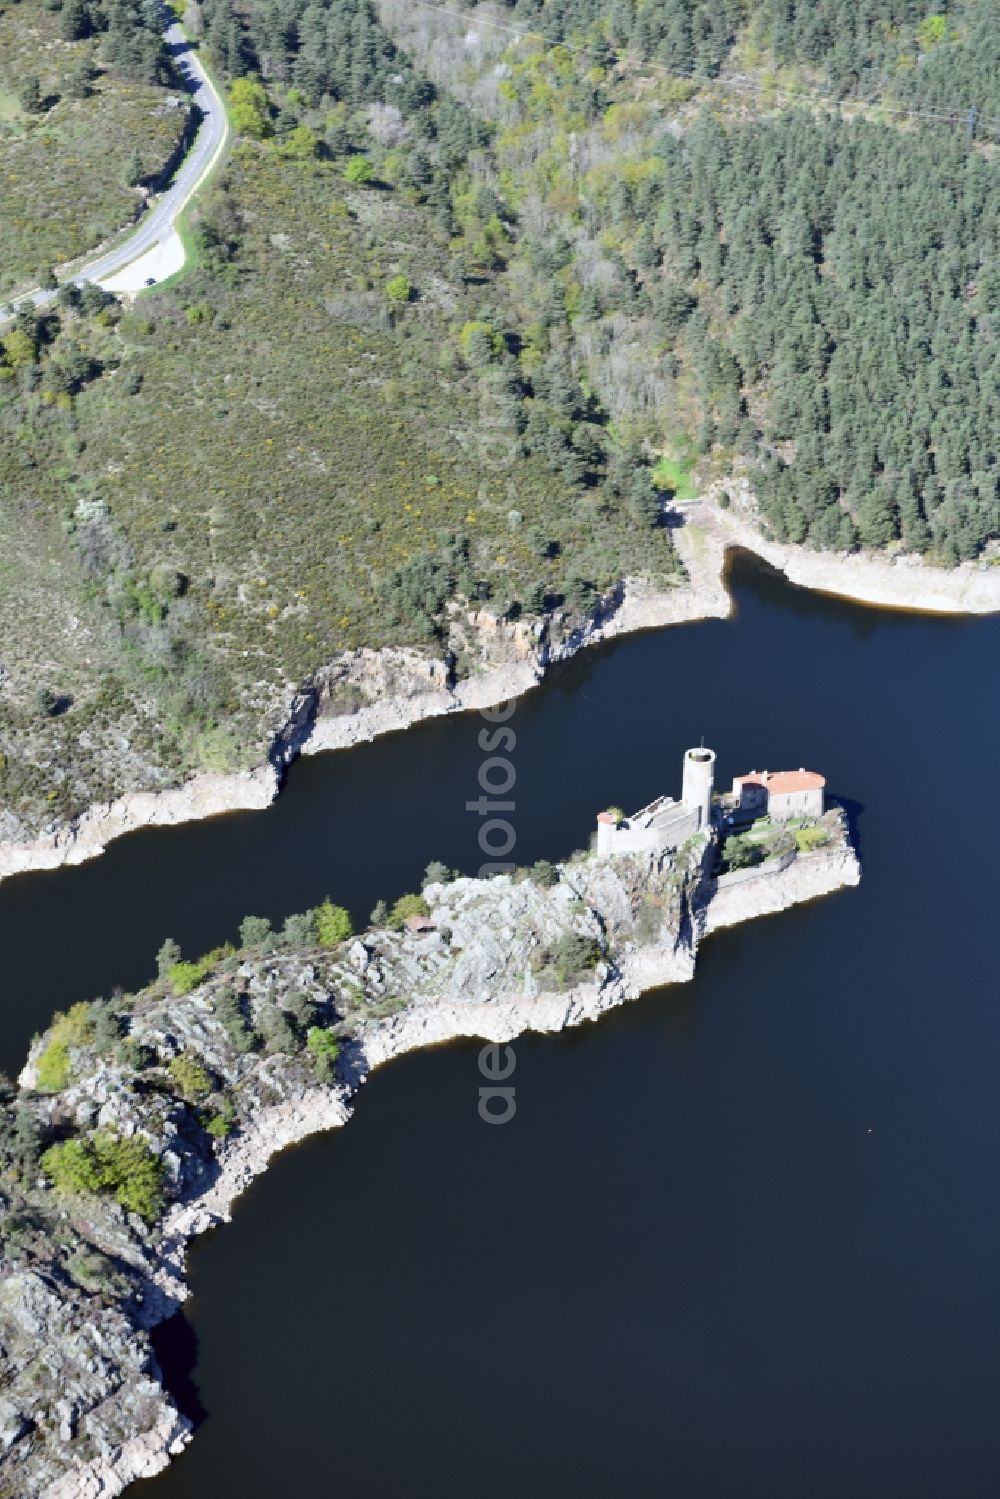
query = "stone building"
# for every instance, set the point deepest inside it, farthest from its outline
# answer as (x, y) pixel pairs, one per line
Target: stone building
(667, 823)
(779, 794)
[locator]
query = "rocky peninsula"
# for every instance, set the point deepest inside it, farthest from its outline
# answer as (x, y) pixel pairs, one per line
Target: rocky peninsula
(138, 1120)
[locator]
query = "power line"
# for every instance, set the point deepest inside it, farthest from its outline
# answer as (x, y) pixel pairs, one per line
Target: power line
(745, 85)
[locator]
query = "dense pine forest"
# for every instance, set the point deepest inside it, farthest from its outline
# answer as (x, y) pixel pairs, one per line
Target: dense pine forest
(849, 271)
(130, 32)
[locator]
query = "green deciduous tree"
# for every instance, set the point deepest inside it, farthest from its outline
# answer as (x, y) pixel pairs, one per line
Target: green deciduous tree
(106, 1161)
(398, 289)
(324, 1049)
(358, 170)
(249, 108)
(333, 924)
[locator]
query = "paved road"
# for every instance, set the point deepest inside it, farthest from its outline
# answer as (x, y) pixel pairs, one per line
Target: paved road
(158, 220)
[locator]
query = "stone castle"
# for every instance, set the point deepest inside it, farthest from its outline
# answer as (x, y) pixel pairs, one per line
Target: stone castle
(667, 823)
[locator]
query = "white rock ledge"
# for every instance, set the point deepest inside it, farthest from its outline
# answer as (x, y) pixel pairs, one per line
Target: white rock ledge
(203, 796)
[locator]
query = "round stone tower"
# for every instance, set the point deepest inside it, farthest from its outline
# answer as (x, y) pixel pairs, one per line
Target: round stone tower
(699, 778)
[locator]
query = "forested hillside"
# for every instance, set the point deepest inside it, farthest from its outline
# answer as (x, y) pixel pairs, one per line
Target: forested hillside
(812, 294)
(480, 288)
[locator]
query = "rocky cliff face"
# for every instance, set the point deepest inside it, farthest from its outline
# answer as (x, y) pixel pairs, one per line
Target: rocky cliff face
(208, 1085)
(485, 660)
(86, 837)
(488, 660)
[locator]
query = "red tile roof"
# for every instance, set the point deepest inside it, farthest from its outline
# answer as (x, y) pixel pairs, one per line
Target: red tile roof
(782, 781)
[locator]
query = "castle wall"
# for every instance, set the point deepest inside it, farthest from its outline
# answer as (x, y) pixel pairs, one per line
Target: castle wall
(669, 833)
(769, 866)
(679, 829)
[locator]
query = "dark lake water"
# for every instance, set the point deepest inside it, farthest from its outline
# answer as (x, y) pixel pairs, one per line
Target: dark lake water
(740, 1241)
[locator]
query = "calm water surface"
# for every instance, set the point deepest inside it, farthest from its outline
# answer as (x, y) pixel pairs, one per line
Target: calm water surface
(741, 1239)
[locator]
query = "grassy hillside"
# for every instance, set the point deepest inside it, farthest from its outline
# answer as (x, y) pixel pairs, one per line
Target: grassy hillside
(276, 459)
(70, 156)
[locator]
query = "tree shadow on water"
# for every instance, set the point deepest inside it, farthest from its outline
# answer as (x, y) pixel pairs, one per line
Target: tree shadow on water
(175, 1344)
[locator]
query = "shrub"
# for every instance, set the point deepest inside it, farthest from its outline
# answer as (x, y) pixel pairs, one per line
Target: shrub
(806, 839)
(437, 873)
(649, 919)
(407, 905)
(189, 1078)
(72, 1167)
(333, 924)
(379, 914)
(300, 144)
(544, 873)
(185, 976)
(131, 1170)
(398, 289)
(53, 1067)
(358, 170)
(223, 1121)
(109, 1162)
(20, 349)
(325, 1050)
(93, 1272)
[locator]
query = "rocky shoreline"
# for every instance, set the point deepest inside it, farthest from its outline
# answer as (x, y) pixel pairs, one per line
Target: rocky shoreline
(888, 581)
(203, 796)
(366, 693)
(476, 974)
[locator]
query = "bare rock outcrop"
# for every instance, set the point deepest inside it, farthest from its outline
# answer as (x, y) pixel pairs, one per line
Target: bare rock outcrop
(204, 1087)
